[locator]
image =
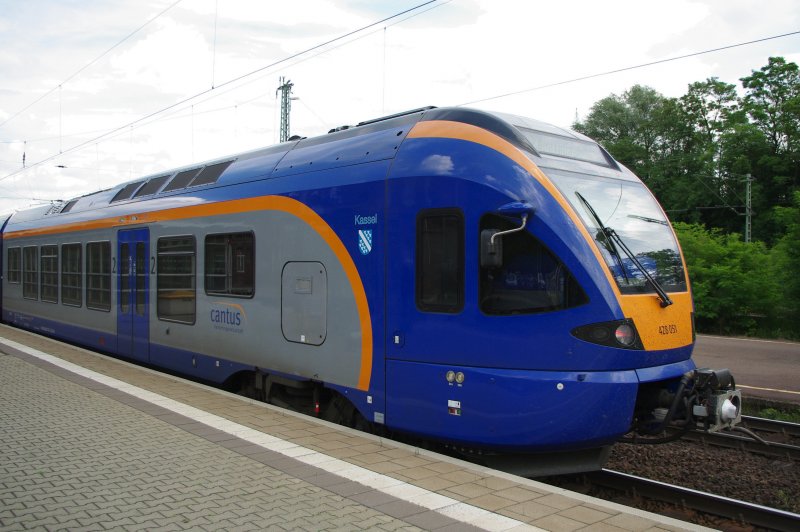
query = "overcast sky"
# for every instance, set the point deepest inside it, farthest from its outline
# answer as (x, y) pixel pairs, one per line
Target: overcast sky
(78, 138)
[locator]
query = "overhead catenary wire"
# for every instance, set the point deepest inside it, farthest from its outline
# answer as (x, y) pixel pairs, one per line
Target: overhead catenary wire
(628, 68)
(224, 84)
(323, 48)
(89, 64)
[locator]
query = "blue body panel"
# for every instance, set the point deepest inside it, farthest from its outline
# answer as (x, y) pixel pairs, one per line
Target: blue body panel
(502, 409)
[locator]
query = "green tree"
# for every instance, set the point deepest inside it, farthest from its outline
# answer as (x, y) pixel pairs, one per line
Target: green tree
(786, 261)
(733, 290)
(772, 102)
(667, 142)
(627, 126)
(694, 152)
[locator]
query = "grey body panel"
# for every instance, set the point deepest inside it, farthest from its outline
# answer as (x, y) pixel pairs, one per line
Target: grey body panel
(259, 339)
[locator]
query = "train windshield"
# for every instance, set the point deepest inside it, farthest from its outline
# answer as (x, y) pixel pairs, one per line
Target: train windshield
(613, 209)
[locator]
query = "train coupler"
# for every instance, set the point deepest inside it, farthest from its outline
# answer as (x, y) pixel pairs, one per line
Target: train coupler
(717, 404)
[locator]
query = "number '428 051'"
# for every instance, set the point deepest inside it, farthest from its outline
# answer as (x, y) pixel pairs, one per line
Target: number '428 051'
(668, 329)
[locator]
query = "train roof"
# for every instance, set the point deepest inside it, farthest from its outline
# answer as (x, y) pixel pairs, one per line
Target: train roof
(371, 140)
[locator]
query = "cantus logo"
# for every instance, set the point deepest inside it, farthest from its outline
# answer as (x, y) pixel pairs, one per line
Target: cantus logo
(228, 316)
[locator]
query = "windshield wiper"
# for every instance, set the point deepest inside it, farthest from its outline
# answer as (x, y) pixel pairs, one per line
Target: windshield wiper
(665, 300)
(607, 242)
(648, 220)
(613, 238)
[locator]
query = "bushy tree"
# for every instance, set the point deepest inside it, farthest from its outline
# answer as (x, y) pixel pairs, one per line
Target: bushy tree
(734, 291)
(786, 260)
(696, 153)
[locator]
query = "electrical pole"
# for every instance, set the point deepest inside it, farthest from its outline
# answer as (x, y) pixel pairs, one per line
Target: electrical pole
(748, 209)
(285, 89)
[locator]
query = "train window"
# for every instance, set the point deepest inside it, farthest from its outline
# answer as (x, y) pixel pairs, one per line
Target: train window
(49, 268)
(141, 278)
(68, 207)
(124, 278)
(210, 174)
(98, 275)
(127, 191)
(14, 265)
(71, 275)
(152, 186)
(230, 264)
(181, 179)
(176, 279)
(30, 273)
(547, 143)
(530, 279)
(440, 261)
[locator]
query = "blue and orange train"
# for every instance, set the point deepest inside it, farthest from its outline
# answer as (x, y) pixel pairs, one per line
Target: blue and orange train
(489, 282)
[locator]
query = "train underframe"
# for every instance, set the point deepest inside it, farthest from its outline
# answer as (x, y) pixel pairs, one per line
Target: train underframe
(663, 411)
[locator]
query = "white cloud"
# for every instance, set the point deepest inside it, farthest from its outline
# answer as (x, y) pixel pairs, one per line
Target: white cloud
(461, 51)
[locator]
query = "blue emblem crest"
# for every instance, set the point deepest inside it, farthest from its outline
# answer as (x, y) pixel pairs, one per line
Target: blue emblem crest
(365, 241)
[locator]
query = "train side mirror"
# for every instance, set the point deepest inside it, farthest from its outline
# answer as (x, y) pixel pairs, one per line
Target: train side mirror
(492, 239)
(491, 249)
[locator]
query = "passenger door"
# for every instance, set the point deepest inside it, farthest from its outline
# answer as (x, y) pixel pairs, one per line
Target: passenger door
(133, 282)
(425, 284)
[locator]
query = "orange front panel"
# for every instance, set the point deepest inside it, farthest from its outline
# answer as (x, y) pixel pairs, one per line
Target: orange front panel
(660, 328)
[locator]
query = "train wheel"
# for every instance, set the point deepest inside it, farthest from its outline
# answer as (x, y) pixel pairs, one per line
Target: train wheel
(342, 412)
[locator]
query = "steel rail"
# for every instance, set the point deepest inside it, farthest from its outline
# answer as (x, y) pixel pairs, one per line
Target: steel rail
(740, 440)
(741, 511)
(771, 425)
(746, 443)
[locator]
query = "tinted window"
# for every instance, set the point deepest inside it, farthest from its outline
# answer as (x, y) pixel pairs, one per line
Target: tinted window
(440, 261)
(230, 265)
(30, 272)
(181, 179)
(14, 265)
(530, 278)
(127, 191)
(210, 174)
(68, 207)
(50, 274)
(71, 275)
(98, 275)
(152, 186)
(176, 279)
(567, 147)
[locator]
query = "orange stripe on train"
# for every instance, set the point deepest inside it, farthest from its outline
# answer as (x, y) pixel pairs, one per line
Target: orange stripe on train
(265, 203)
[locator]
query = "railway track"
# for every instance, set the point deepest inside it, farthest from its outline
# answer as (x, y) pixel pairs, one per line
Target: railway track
(738, 511)
(762, 444)
(771, 425)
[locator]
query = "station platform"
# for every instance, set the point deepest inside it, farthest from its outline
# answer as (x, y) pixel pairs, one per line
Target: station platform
(89, 442)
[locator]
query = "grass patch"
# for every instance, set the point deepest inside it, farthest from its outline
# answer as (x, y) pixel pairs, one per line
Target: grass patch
(777, 411)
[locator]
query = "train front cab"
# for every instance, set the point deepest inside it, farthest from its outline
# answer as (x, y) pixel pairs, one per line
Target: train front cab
(508, 360)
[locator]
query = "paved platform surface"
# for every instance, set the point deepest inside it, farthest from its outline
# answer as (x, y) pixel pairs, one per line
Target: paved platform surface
(88, 442)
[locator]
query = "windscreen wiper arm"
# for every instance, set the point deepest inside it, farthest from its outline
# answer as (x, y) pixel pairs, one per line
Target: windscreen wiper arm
(665, 299)
(607, 241)
(615, 240)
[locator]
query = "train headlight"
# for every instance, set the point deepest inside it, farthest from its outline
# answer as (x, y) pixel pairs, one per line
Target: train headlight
(618, 333)
(450, 376)
(459, 378)
(625, 334)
